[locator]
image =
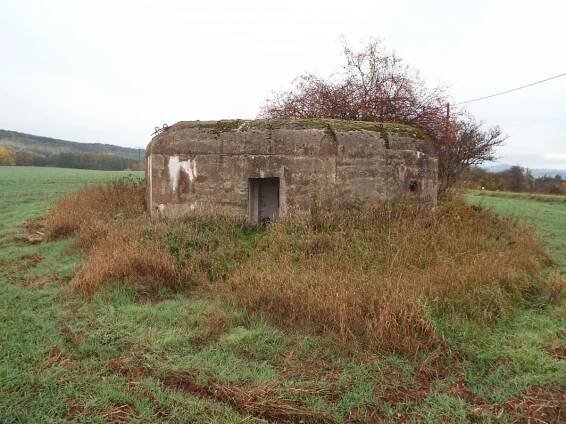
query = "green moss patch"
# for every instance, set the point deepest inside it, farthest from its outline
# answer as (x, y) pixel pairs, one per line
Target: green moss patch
(331, 125)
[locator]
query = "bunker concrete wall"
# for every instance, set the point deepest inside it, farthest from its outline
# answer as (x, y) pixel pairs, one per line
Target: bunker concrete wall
(196, 167)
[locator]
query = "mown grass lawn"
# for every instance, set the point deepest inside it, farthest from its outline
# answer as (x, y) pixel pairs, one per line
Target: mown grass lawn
(181, 357)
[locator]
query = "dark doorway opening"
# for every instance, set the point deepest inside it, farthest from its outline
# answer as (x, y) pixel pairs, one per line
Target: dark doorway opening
(413, 186)
(264, 200)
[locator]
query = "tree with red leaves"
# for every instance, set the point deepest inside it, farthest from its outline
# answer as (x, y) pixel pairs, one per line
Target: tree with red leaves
(376, 85)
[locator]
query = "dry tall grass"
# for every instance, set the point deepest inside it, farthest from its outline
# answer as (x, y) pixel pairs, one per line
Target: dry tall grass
(372, 278)
(124, 255)
(90, 213)
(125, 246)
(109, 223)
(375, 278)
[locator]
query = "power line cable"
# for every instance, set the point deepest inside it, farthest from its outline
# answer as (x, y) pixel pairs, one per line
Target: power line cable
(513, 89)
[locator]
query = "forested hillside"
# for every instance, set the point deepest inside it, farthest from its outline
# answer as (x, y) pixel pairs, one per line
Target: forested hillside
(31, 150)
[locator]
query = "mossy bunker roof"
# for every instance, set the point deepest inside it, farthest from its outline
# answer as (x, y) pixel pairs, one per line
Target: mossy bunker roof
(331, 127)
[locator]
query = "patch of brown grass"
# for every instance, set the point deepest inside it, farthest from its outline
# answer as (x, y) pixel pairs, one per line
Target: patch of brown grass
(119, 414)
(542, 404)
(260, 402)
(33, 258)
(375, 278)
(34, 229)
(539, 404)
(400, 389)
(216, 324)
(108, 221)
(76, 410)
(372, 278)
(41, 282)
(555, 286)
(557, 350)
(265, 401)
(57, 358)
(34, 225)
(129, 367)
(125, 246)
(125, 256)
(90, 212)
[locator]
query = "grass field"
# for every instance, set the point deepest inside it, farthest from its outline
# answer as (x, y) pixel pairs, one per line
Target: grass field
(546, 213)
(550, 198)
(124, 356)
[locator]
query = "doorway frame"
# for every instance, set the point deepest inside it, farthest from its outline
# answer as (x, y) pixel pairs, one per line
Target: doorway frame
(253, 203)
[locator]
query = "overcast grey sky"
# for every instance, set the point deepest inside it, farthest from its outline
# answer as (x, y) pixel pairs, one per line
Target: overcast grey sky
(109, 71)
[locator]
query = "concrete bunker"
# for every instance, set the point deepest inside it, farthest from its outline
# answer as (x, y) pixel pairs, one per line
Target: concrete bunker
(265, 169)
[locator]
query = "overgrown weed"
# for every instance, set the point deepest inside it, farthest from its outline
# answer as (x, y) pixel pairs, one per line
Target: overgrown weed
(377, 278)
(123, 255)
(90, 212)
(372, 278)
(125, 246)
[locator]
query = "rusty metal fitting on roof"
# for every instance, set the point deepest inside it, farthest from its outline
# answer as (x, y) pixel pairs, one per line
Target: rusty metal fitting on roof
(158, 130)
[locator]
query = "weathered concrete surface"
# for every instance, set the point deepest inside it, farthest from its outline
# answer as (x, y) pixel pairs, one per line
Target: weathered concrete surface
(200, 165)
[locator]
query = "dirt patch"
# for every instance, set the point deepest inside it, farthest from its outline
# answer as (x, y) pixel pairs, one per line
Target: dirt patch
(75, 411)
(35, 284)
(34, 225)
(129, 367)
(260, 402)
(461, 391)
(17, 279)
(406, 392)
(20, 271)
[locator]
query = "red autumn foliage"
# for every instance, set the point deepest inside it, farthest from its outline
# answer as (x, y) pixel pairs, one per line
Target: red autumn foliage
(376, 85)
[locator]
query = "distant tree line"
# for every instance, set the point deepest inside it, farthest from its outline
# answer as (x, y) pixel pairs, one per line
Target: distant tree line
(6, 157)
(87, 160)
(516, 179)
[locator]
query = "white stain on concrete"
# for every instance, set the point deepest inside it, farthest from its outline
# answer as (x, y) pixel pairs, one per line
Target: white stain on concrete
(175, 168)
